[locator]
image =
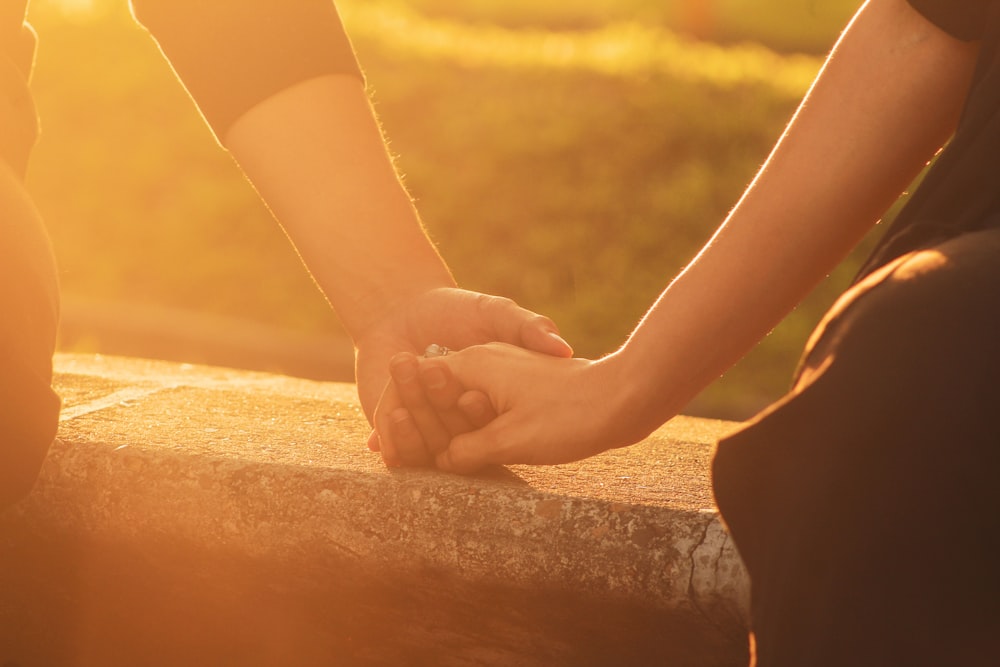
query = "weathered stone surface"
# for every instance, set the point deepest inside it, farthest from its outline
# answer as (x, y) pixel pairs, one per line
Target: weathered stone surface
(194, 515)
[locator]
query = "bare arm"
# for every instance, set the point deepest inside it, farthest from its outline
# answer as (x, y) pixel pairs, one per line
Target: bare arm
(316, 155)
(278, 83)
(886, 101)
(888, 97)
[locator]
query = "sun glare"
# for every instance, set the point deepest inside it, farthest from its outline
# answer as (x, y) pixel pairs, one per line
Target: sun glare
(74, 6)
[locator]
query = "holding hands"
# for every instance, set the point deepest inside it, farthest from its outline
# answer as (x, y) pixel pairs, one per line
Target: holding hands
(449, 316)
(501, 404)
(453, 317)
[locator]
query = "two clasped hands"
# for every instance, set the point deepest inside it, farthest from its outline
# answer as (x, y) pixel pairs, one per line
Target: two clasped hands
(524, 399)
(493, 403)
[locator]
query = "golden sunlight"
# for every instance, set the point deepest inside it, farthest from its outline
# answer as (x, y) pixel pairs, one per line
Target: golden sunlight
(592, 124)
(72, 7)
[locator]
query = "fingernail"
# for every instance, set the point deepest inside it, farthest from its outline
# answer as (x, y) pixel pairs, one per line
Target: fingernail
(373, 442)
(404, 371)
(433, 378)
(560, 339)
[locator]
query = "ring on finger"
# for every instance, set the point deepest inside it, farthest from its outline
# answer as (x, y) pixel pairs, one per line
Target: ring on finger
(435, 350)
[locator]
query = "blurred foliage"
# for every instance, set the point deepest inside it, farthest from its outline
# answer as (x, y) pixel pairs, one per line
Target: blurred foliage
(575, 165)
(809, 26)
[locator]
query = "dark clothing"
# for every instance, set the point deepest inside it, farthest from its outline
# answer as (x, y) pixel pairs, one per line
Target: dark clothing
(29, 295)
(18, 124)
(29, 302)
(231, 54)
(964, 19)
(865, 503)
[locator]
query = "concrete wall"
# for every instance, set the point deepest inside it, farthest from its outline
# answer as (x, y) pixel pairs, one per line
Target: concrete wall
(194, 515)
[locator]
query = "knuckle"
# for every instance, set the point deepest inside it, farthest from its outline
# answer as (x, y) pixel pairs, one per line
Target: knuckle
(542, 321)
(488, 303)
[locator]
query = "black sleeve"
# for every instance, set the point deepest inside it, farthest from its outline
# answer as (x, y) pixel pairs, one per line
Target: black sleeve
(964, 19)
(232, 54)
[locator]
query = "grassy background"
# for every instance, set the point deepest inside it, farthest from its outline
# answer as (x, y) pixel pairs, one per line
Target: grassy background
(573, 156)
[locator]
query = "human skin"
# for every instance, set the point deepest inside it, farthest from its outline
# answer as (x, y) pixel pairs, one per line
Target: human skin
(317, 157)
(886, 100)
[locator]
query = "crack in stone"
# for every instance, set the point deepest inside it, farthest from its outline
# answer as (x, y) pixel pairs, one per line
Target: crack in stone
(692, 592)
(692, 589)
(718, 558)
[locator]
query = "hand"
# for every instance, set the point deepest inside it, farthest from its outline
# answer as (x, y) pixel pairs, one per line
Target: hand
(551, 410)
(447, 316)
(435, 408)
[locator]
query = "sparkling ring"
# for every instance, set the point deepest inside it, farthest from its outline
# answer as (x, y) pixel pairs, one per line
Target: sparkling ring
(435, 350)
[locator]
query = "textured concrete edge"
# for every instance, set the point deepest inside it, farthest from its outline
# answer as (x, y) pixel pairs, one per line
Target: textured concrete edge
(409, 523)
(321, 519)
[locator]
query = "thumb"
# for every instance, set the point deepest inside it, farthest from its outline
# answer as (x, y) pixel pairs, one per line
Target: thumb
(471, 451)
(540, 334)
(519, 326)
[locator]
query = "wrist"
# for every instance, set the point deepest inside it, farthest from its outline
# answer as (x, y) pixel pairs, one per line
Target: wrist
(636, 401)
(366, 314)
(618, 404)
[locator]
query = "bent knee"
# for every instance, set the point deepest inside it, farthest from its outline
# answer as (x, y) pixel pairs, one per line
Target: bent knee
(942, 302)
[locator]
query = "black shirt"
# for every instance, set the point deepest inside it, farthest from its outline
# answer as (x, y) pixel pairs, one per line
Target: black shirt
(230, 54)
(964, 19)
(961, 192)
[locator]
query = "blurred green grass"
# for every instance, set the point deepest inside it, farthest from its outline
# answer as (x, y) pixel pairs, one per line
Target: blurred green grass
(785, 25)
(573, 158)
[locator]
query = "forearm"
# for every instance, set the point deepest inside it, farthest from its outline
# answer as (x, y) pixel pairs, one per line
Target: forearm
(317, 157)
(278, 83)
(887, 99)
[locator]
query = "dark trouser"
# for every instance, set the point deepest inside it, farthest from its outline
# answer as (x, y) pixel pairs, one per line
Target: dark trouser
(866, 503)
(29, 294)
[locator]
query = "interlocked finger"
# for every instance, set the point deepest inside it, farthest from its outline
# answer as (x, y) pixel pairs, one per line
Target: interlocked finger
(407, 439)
(442, 391)
(434, 436)
(476, 407)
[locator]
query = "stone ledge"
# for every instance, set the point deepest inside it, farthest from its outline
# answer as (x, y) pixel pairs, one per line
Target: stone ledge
(196, 515)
